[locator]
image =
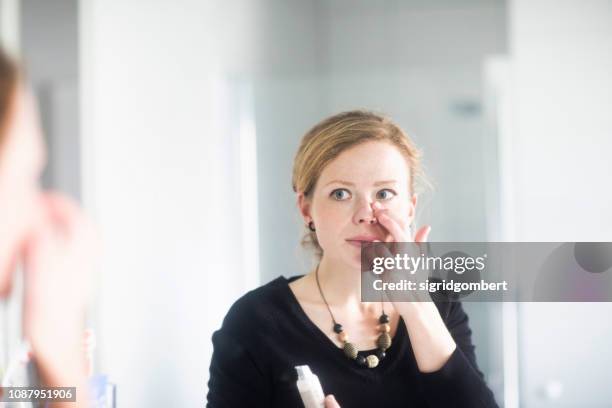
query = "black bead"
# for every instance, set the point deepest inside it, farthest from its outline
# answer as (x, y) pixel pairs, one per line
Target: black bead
(380, 354)
(337, 328)
(383, 319)
(361, 360)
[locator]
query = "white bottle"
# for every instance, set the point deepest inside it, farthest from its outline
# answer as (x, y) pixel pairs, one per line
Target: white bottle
(310, 388)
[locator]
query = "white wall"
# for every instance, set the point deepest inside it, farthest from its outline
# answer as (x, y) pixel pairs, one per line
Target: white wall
(562, 53)
(161, 176)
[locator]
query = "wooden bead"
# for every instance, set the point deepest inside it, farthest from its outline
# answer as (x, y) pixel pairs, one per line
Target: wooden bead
(384, 341)
(385, 328)
(383, 318)
(343, 337)
(350, 350)
(337, 328)
(372, 360)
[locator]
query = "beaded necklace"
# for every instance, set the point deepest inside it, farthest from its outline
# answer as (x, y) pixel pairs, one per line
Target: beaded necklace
(383, 342)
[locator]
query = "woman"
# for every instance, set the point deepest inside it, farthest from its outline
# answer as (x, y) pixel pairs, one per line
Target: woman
(49, 236)
(354, 175)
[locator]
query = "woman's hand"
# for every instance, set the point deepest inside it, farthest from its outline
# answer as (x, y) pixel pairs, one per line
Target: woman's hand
(398, 236)
(431, 341)
(398, 231)
(58, 262)
(330, 402)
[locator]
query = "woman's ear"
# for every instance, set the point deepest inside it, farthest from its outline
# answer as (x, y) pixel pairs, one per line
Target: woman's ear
(303, 204)
(412, 210)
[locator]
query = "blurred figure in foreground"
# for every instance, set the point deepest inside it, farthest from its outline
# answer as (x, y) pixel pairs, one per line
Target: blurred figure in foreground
(49, 236)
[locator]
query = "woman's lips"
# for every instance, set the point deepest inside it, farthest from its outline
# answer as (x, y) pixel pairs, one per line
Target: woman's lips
(356, 241)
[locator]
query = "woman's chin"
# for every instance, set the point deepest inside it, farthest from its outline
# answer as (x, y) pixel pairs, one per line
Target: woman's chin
(354, 258)
(348, 261)
(349, 256)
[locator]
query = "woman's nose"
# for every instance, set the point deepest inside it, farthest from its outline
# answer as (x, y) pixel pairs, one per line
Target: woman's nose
(365, 214)
(369, 220)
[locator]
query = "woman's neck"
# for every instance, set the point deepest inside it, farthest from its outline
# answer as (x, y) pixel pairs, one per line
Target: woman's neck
(341, 286)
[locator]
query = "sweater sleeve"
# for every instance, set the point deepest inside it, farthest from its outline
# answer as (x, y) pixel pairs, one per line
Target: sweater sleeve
(236, 379)
(459, 383)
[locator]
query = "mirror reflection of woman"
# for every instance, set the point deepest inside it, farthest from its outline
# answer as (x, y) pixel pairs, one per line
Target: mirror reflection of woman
(49, 236)
(354, 176)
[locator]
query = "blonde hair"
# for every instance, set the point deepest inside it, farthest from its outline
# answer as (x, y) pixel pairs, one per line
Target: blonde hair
(332, 136)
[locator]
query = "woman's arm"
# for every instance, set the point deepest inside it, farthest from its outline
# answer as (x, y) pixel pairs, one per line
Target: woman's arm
(445, 356)
(431, 341)
(442, 347)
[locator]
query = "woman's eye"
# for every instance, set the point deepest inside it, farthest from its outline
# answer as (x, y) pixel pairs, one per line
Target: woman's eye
(385, 194)
(340, 194)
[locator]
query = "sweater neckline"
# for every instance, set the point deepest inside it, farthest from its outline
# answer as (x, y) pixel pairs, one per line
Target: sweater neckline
(315, 331)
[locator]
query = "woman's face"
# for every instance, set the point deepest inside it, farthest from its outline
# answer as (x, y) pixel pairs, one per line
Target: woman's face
(22, 158)
(341, 203)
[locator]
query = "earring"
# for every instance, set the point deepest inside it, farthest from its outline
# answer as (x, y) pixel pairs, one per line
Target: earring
(311, 226)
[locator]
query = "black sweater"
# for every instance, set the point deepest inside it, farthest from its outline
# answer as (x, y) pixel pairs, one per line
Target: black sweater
(266, 333)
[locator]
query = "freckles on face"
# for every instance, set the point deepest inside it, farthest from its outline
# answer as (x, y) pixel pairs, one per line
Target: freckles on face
(366, 173)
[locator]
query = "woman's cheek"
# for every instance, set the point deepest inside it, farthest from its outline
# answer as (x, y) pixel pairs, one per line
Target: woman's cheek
(328, 225)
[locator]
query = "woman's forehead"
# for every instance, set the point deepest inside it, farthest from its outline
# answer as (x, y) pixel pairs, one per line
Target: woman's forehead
(370, 162)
